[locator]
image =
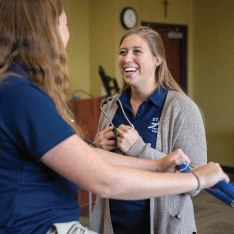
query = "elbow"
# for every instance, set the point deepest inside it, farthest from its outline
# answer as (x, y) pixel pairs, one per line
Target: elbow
(104, 192)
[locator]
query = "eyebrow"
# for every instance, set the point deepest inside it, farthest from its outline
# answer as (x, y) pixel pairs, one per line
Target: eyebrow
(134, 47)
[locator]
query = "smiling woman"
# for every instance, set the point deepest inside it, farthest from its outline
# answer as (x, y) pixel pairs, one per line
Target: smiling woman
(164, 119)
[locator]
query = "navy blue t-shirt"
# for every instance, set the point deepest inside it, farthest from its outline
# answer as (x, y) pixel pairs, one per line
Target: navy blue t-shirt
(32, 196)
(133, 217)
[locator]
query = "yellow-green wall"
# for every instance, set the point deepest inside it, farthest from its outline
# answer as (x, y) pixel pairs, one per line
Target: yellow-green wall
(78, 49)
(95, 30)
(213, 75)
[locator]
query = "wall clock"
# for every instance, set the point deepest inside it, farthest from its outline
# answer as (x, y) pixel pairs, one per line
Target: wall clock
(128, 18)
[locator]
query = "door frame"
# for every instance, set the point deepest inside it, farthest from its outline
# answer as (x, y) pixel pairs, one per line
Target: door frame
(184, 42)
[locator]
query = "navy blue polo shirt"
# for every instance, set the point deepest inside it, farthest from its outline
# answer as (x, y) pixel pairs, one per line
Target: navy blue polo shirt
(33, 196)
(134, 216)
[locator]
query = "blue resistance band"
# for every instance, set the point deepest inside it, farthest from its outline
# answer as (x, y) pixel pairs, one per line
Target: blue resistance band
(222, 190)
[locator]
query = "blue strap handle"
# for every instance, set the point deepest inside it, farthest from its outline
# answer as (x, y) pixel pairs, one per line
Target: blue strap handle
(226, 188)
(221, 196)
(222, 190)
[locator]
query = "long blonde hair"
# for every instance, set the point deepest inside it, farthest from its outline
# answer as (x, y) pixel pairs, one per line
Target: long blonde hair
(29, 33)
(162, 74)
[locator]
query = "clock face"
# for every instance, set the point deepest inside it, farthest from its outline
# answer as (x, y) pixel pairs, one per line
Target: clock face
(129, 18)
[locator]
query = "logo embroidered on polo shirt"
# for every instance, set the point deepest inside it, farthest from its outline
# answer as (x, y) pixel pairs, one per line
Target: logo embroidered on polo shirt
(154, 125)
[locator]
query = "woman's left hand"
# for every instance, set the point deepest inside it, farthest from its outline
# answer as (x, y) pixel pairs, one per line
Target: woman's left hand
(127, 136)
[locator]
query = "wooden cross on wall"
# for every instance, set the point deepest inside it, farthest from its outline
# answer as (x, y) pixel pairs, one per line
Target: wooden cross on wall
(165, 3)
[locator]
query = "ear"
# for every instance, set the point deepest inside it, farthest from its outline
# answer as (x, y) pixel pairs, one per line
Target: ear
(158, 61)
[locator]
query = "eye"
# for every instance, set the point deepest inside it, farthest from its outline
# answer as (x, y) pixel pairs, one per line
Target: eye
(122, 52)
(137, 51)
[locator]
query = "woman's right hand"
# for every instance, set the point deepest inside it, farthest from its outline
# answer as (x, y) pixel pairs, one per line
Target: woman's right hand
(210, 174)
(106, 139)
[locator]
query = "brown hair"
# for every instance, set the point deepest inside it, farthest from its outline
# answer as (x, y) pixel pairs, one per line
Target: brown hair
(162, 74)
(29, 33)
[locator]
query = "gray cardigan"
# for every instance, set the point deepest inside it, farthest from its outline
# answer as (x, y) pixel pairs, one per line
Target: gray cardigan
(181, 127)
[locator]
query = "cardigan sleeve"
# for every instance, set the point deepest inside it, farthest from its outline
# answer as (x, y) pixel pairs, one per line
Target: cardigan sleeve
(143, 150)
(183, 128)
(192, 138)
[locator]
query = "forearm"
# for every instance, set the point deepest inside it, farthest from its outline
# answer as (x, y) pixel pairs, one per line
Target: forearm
(142, 150)
(83, 165)
(132, 184)
(122, 160)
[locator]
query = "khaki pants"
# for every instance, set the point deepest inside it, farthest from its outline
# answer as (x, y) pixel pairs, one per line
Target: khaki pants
(69, 228)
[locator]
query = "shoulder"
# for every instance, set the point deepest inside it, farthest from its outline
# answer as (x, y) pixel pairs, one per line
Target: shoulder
(180, 104)
(17, 89)
(15, 83)
(21, 99)
(180, 99)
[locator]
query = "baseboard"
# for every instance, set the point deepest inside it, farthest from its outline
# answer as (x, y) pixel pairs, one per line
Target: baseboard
(228, 169)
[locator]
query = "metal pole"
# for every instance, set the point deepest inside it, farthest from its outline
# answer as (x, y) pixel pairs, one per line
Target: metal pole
(90, 207)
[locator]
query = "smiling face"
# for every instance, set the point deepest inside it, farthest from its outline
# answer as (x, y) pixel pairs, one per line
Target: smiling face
(63, 29)
(137, 64)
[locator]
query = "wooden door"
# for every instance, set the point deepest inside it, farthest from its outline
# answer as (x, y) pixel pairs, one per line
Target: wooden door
(175, 44)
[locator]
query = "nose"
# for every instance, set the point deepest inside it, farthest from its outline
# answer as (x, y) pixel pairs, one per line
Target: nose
(128, 58)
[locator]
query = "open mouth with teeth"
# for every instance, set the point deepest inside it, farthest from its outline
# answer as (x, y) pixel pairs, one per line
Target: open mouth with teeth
(130, 69)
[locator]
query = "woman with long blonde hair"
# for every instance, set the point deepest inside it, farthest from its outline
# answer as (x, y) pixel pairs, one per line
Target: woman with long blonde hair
(161, 119)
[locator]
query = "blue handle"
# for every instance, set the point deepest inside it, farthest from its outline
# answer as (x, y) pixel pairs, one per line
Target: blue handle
(222, 190)
(226, 188)
(183, 168)
(221, 196)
